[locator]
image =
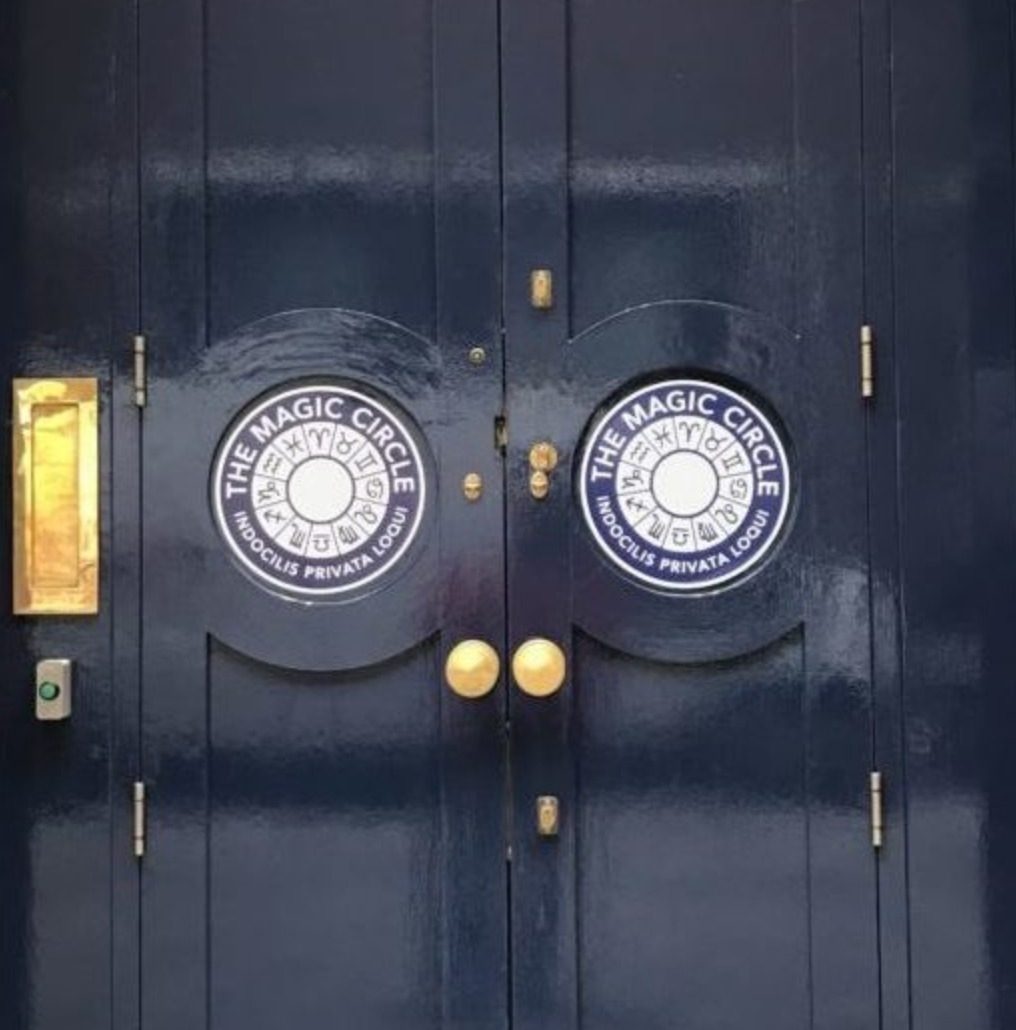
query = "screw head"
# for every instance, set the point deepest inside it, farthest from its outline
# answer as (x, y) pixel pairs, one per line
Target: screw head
(477, 355)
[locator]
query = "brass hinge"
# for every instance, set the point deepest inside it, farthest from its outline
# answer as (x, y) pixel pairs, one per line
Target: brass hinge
(877, 824)
(140, 372)
(139, 819)
(501, 433)
(867, 362)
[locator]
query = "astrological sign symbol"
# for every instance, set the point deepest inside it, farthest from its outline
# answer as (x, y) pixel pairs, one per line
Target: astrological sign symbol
(365, 462)
(271, 463)
(707, 532)
(375, 488)
(713, 441)
(317, 435)
(632, 480)
(687, 430)
(297, 537)
(294, 445)
(726, 513)
(268, 492)
(739, 489)
(367, 514)
(657, 527)
(634, 504)
(344, 444)
(640, 450)
(734, 461)
(661, 435)
(347, 534)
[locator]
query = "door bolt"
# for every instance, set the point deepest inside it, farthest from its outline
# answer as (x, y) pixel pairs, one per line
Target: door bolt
(472, 486)
(541, 289)
(547, 815)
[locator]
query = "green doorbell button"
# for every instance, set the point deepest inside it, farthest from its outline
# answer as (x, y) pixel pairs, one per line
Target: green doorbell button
(49, 691)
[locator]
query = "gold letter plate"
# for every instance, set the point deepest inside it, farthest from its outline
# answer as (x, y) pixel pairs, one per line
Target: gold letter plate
(56, 496)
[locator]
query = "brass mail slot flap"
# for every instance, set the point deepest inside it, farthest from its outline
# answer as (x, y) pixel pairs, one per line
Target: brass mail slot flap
(56, 496)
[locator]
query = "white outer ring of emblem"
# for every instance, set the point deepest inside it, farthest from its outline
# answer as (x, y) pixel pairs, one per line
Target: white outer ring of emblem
(226, 447)
(742, 570)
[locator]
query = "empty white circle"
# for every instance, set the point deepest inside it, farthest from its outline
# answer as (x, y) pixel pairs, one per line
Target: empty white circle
(320, 490)
(685, 483)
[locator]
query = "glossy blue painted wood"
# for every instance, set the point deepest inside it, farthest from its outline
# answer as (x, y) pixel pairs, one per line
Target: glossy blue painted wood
(327, 837)
(730, 187)
(711, 754)
(954, 353)
(68, 912)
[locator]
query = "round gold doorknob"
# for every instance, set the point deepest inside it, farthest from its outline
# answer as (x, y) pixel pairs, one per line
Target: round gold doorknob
(539, 667)
(472, 668)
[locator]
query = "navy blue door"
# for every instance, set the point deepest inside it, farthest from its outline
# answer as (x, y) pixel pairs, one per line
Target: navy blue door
(338, 213)
(692, 182)
(348, 281)
(320, 261)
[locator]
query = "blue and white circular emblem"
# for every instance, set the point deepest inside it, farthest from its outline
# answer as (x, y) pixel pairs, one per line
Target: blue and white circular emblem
(684, 484)
(318, 489)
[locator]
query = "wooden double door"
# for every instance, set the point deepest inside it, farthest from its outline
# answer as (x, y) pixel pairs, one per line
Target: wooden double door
(385, 252)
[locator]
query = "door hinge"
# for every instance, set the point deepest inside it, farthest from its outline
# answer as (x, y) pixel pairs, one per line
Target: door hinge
(867, 362)
(140, 372)
(139, 819)
(501, 433)
(877, 823)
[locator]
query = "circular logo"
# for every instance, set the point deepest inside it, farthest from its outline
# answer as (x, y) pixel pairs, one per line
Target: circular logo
(684, 484)
(318, 489)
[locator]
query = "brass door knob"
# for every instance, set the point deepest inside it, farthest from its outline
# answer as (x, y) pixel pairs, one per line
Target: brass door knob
(539, 667)
(472, 668)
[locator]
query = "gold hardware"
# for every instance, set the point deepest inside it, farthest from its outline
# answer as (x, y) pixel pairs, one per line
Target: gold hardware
(472, 668)
(867, 361)
(140, 372)
(543, 456)
(539, 485)
(472, 486)
(56, 496)
(477, 355)
(877, 822)
(538, 667)
(139, 819)
(541, 288)
(548, 821)
(542, 460)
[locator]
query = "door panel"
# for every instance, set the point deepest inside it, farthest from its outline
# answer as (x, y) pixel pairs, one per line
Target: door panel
(697, 106)
(326, 838)
(699, 205)
(68, 890)
(314, 774)
(952, 247)
(667, 888)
